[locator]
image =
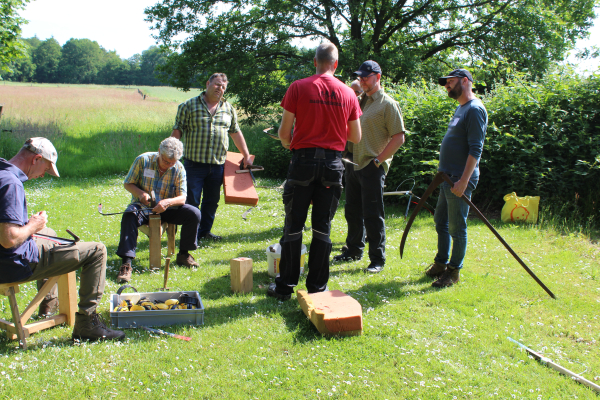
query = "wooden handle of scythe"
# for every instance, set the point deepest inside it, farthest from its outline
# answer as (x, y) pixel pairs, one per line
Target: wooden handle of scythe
(495, 232)
(167, 262)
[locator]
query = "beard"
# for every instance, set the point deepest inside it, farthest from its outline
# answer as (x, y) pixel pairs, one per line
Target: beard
(456, 91)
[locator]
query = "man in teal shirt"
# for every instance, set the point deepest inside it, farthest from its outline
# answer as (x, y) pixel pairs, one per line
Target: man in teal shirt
(459, 158)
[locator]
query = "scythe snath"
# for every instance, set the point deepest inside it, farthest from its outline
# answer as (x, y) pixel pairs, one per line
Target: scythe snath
(437, 180)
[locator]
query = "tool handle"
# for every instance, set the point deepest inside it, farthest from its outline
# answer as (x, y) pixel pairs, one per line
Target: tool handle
(167, 262)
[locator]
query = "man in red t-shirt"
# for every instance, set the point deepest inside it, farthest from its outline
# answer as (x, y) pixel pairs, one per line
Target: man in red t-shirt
(327, 115)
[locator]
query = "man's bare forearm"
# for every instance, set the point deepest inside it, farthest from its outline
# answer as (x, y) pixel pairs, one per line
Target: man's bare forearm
(13, 235)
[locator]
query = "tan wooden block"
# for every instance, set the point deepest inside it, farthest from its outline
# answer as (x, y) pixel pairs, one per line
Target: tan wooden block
(241, 275)
(155, 233)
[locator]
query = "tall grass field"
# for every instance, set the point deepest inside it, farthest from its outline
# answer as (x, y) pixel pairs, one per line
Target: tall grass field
(417, 343)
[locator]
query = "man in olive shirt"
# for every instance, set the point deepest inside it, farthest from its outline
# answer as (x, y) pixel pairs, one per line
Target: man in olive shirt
(204, 125)
(383, 134)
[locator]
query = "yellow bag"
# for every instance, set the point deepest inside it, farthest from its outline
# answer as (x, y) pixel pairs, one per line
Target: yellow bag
(523, 209)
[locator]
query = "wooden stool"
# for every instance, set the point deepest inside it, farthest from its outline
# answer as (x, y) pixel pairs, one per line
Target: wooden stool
(154, 231)
(67, 306)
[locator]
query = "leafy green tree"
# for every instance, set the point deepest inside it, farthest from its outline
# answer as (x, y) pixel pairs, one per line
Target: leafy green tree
(80, 62)
(150, 60)
(11, 47)
(115, 71)
(251, 39)
(46, 58)
(22, 69)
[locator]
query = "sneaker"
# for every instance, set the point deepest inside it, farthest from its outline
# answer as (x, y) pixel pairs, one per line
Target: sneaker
(374, 268)
(272, 292)
(436, 270)
(346, 256)
(91, 327)
(186, 260)
(48, 307)
(211, 236)
(124, 273)
(448, 278)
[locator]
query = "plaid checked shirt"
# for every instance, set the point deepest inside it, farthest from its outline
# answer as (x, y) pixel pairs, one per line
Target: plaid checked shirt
(205, 136)
(144, 174)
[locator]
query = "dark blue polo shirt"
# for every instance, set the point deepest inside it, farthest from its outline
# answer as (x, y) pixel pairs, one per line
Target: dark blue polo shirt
(14, 262)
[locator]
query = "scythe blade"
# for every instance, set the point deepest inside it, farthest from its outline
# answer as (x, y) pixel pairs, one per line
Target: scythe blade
(437, 179)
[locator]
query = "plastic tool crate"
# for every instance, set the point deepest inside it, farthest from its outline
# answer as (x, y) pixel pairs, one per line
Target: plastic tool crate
(134, 319)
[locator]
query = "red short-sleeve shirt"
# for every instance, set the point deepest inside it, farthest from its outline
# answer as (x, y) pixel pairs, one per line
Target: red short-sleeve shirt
(323, 106)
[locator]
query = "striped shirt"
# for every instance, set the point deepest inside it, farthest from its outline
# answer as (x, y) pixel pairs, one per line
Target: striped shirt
(144, 174)
(205, 136)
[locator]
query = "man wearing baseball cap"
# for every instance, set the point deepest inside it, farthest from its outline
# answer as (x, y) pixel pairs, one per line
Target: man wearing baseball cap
(25, 257)
(459, 158)
(383, 134)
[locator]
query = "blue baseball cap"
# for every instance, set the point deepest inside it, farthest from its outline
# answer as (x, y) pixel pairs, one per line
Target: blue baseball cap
(367, 68)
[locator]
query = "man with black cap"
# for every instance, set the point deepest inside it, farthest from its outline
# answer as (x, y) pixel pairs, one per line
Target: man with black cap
(383, 134)
(323, 113)
(25, 257)
(459, 158)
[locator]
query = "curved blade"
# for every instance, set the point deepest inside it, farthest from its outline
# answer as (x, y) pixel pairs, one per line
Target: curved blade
(437, 179)
(510, 250)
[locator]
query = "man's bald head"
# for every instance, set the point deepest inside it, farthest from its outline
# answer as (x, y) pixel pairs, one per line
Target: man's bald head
(326, 54)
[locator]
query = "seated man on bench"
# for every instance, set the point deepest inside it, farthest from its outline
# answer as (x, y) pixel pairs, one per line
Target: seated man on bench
(160, 173)
(23, 259)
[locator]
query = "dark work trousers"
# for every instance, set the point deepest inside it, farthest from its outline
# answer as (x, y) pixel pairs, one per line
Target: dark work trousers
(314, 175)
(187, 216)
(364, 211)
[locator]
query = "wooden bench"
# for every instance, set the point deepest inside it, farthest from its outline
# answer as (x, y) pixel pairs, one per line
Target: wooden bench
(154, 230)
(67, 300)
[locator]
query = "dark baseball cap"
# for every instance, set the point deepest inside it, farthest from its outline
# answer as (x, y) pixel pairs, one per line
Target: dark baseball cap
(367, 68)
(457, 73)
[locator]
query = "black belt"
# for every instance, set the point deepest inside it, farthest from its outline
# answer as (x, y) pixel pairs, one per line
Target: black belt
(318, 153)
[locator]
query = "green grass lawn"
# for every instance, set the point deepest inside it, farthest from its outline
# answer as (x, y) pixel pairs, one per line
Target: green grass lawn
(418, 342)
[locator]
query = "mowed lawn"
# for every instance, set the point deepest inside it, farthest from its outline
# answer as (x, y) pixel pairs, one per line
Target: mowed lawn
(418, 342)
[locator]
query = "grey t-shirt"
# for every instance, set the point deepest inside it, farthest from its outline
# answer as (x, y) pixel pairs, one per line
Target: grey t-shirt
(464, 137)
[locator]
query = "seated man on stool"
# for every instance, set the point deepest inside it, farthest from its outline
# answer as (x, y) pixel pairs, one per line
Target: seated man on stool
(162, 173)
(25, 258)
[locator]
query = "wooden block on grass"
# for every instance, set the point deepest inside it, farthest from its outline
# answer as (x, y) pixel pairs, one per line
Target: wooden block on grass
(238, 188)
(241, 275)
(333, 313)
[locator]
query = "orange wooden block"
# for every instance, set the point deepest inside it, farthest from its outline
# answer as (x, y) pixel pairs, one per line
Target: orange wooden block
(238, 188)
(333, 312)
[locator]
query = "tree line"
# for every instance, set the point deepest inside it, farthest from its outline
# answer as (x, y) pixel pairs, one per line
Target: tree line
(83, 61)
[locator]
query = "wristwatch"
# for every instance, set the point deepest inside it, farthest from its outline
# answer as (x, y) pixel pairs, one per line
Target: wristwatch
(376, 162)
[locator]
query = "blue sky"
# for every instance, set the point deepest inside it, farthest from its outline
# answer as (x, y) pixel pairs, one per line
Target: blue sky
(119, 24)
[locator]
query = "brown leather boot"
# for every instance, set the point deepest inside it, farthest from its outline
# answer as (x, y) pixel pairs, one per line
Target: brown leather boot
(48, 307)
(186, 260)
(124, 273)
(436, 270)
(91, 327)
(448, 278)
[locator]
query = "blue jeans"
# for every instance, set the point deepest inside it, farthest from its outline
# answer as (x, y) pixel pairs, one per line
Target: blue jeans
(314, 175)
(204, 180)
(451, 224)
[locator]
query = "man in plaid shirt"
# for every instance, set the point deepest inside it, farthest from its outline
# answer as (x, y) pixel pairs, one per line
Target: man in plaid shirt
(204, 124)
(163, 174)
